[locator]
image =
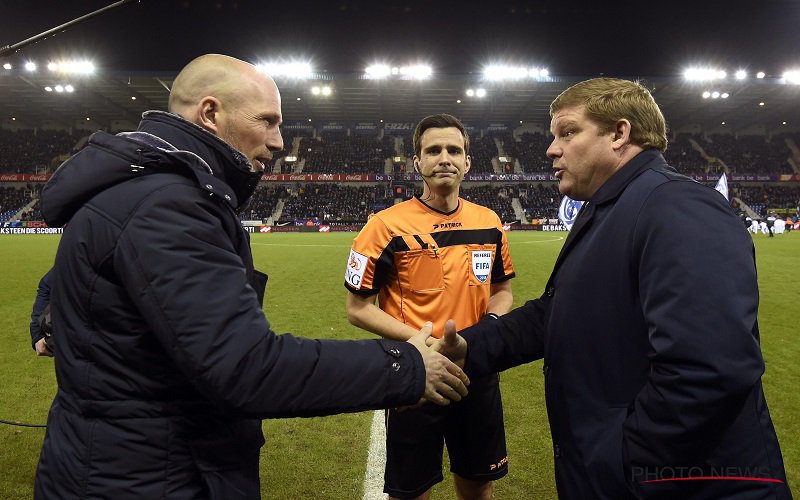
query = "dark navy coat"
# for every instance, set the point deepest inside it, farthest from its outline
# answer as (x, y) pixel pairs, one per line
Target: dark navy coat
(39, 304)
(650, 342)
(165, 359)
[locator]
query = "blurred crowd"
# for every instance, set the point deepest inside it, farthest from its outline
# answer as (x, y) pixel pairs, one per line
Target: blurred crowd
(494, 152)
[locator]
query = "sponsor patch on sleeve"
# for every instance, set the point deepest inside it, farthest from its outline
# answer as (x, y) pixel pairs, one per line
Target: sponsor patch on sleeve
(354, 273)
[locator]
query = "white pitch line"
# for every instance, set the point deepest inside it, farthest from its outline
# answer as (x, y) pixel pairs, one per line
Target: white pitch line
(376, 459)
(559, 238)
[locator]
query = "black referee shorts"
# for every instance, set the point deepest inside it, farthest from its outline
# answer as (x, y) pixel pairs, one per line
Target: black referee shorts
(472, 429)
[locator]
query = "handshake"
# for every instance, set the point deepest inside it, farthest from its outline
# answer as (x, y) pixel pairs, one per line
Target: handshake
(445, 381)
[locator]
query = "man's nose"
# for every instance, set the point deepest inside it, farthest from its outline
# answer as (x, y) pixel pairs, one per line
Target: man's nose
(552, 151)
(275, 142)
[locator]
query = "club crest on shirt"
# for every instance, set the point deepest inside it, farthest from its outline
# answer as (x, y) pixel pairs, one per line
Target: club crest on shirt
(356, 265)
(481, 264)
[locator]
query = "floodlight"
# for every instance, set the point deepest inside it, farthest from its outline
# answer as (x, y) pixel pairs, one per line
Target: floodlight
(480, 93)
(724, 95)
(69, 88)
(30, 66)
(760, 74)
(470, 93)
(48, 89)
(326, 90)
(792, 76)
(497, 72)
(741, 74)
(79, 67)
(417, 71)
(315, 90)
(538, 73)
(761, 104)
(133, 98)
(704, 74)
(458, 101)
(59, 88)
(7, 66)
(706, 94)
(300, 70)
(715, 95)
(378, 71)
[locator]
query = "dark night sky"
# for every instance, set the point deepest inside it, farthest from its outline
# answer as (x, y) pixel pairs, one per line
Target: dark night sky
(615, 37)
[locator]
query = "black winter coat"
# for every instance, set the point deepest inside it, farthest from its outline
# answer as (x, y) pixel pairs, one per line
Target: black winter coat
(165, 359)
(649, 333)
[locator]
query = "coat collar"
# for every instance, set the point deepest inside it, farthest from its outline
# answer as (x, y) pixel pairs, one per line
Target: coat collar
(226, 163)
(616, 184)
(608, 192)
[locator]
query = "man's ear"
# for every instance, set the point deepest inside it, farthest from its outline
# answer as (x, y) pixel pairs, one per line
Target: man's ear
(208, 111)
(622, 133)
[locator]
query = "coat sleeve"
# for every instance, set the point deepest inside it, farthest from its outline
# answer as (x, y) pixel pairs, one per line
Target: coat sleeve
(699, 295)
(39, 304)
(508, 341)
(185, 276)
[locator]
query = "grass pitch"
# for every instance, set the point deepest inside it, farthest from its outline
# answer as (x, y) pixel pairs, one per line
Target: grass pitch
(325, 457)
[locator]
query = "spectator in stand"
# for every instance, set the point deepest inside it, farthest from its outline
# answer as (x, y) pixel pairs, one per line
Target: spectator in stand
(339, 153)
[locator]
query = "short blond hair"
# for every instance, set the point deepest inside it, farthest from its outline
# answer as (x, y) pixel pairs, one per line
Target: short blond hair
(610, 99)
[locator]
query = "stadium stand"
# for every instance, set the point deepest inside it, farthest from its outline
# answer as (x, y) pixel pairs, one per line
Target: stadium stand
(339, 153)
(333, 203)
(498, 198)
(343, 152)
(29, 151)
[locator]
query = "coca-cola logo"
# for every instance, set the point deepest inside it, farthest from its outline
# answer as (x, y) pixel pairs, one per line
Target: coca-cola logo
(41, 177)
(352, 178)
(272, 177)
(8, 177)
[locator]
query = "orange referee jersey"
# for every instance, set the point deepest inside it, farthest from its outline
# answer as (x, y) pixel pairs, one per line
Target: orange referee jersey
(426, 265)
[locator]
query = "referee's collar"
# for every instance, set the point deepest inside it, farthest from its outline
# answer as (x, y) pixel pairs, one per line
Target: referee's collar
(458, 207)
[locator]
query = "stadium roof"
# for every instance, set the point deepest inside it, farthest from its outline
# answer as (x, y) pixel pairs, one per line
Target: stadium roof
(107, 99)
(140, 46)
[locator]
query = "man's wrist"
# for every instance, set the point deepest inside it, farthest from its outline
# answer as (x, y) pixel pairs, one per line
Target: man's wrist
(491, 315)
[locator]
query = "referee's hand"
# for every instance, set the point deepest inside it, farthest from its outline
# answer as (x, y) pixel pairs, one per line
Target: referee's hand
(452, 345)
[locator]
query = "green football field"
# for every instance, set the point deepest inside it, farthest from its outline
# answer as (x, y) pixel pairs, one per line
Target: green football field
(327, 457)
